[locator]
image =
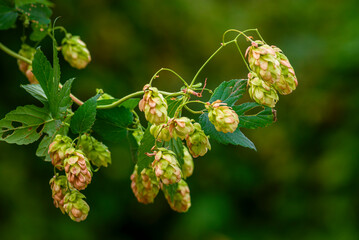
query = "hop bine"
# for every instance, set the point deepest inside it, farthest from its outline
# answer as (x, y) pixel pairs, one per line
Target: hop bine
(223, 117)
(145, 185)
(166, 166)
(75, 52)
(78, 169)
(197, 142)
(154, 105)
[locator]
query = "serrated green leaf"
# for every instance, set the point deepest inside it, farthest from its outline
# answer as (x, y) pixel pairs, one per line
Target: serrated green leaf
(84, 117)
(19, 3)
(230, 91)
(39, 31)
(176, 146)
(111, 124)
(173, 104)
(43, 148)
(129, 104)
(36, 91)
(133, 146)
(262, 118)
(171, 190)
(24, 125)
(36, 12)
(235, 138)
(64, 99)
(8, 16)
(147, 142)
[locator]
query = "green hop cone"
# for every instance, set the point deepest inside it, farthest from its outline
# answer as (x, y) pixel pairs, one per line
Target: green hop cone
(181, 200)
(161, 132)
(75, 206)
(59, 189)
(222, 117)
(75, 52)
(166, 166)
(188, 165)
(96, 152)
(263, 61)
(287, 81)
(197, 142)
(154, 105)
(78, 169)
(261, 92)
(181, 127)
(57, 150)
(145, 186)
(27, 52)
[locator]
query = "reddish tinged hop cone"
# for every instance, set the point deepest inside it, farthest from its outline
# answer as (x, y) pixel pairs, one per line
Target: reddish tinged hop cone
(166, 166)
(197, 142)
(188, 165)
(95, 151)
(287, 81)
(78, 169)
(180, 127)
(261, 92)
(57, 150)
(181, 200)
(222, 117)
(27, 52)
(75, 206)
(145, 186)
(154, 105)
(263, 61)
(59, 189)
(75, 51)
(161, 132)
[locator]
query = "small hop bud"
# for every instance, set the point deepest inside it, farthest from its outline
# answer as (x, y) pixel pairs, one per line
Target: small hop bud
(188, 165)
(95, 151)
(261, 92)
(197, 142)
(75, 206)
(154, 105)
(263, 61)
(181, 127)
(27, 52)
(59, 189)
(75, 52)
(181, 200)
(166, 166)
(145, 186)
(223, 117)
(287, 81)
(161, 132)
(78, 169)
(57, 150)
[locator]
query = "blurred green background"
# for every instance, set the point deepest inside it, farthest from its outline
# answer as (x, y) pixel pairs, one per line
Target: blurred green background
(302, 183)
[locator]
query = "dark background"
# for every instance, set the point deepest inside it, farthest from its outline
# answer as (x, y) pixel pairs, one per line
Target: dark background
(302, 183)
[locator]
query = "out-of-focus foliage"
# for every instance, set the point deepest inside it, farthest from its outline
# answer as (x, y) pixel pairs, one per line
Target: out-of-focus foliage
(301, 184)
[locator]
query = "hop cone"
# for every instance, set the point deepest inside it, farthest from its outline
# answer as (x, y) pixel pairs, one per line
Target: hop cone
(181, 127)
(161, 131)
(287, 81)
(27, 52)
(145, 186)
(154, 105)
(166, 166)
(75, 206)
(59, 189)
(57, 150)
(223, 117)
(181, 200)
(197, 142)
(262, 92)
(78, 169)
(95, 151)
(263, 61)
(188, 165)
(75, 51)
